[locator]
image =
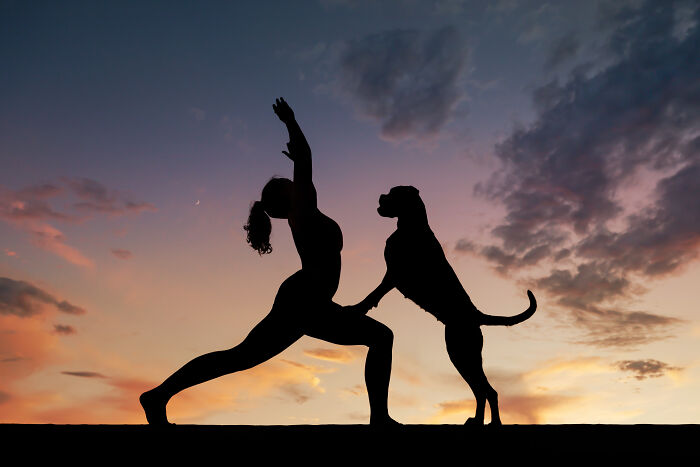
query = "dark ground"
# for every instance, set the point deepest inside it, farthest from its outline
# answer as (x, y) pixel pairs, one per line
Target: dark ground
(345, 444)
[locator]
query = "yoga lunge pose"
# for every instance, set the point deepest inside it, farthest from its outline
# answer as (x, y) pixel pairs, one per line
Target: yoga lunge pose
(303, 305)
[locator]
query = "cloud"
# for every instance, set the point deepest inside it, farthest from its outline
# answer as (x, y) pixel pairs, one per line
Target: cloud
(97, 198)
(298, 393)
(531, 409)
(64, 329)
(118, 403)
(408, 80)
(11, 359)
(26, 346)
(562, 50)
(397, 399)
(644, 369)
(412, 376)
(583, 293)
(590, 135)
(662, 238)
(557, 366)
(28, 209)
(357, 390)
(464, 406)
(592, 283)
(331, 355)
(41, 191)
(83, 374)
(51, 239)
(23, 299)
(564, 176)
(4, 397)
(358, 417)
(539, 395)
(30, 204)
(535, 409)
(121, 254)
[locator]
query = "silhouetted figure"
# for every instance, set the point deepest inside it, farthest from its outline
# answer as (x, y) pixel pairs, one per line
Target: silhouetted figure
(303, 305)
(417, 267)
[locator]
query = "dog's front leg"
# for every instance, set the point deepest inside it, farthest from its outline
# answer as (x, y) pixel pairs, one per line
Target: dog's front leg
(372, 300)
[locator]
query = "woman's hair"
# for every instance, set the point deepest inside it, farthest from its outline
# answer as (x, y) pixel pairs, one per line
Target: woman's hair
(259, 228)
(275, 197)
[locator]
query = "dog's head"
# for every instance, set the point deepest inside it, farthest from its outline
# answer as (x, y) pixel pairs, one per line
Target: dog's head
(402, 202)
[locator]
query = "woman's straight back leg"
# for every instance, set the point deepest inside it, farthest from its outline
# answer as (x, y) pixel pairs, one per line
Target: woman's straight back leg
(275, 333)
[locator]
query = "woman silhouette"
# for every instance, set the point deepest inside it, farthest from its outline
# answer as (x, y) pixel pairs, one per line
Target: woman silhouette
(303, 305)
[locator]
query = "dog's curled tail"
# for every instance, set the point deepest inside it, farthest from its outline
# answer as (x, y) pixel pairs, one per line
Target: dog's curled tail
(490, 320)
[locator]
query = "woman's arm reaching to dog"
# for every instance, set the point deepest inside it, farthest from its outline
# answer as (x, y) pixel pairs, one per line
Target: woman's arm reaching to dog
(298, 151)
(372, 300)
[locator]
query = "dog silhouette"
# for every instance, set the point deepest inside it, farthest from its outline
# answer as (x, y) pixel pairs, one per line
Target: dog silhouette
(417, 267)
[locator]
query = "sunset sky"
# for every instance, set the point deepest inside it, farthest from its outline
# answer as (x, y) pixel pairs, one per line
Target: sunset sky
(556, 146)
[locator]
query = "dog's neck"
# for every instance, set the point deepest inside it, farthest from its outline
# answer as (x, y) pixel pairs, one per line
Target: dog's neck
(417, 220)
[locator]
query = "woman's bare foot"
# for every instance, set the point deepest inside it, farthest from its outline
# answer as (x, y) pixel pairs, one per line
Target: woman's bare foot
(384, 422)
(154, 407)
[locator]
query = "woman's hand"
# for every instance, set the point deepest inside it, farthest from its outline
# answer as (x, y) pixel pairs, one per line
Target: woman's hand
(290, 152)
(363, 307)
(283, 110)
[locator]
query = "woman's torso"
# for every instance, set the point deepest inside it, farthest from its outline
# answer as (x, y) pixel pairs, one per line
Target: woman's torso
(318, 240)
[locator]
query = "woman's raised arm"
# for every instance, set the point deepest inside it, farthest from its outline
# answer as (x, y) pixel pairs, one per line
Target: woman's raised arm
(298, 148)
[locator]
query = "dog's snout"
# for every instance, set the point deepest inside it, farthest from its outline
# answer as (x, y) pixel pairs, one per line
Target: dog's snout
(382, 198)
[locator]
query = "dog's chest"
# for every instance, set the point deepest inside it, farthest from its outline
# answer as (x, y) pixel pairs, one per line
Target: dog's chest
(416, 264)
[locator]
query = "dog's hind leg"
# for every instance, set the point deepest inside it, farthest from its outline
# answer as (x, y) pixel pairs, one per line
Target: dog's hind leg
(491, 396)
(464, 348)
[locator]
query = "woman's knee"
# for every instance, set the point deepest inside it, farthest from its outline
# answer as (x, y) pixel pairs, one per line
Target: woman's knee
(381, 336)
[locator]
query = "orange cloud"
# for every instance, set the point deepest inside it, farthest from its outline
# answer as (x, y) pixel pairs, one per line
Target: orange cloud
(533, 408)
(464, 407)
(356, 390)
(51, 239)
(118, 402)
(531, 397)
(331, 355)
(562, 373)
(397, 399)
(411, 377)
(26, 345)
(523, 408)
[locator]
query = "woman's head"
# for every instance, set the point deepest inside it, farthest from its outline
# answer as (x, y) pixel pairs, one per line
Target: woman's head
(276, 197)
(274, 202)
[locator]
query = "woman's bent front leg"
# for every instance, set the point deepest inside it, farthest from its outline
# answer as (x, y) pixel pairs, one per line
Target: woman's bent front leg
(270, 337)
(348, 328)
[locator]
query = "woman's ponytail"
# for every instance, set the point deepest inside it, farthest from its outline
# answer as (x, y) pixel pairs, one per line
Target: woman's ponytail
(259, 228)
